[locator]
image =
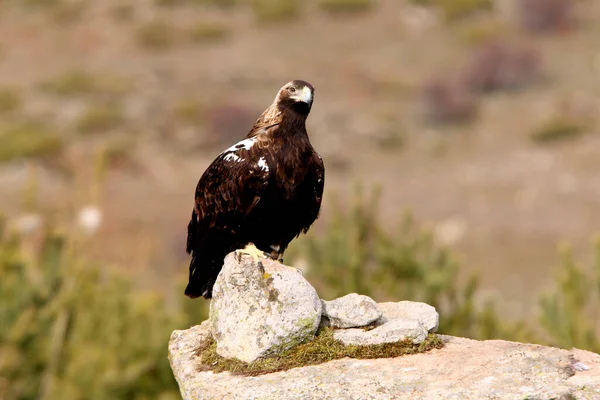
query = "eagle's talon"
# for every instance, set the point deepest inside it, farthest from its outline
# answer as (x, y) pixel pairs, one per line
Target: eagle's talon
(252, 251)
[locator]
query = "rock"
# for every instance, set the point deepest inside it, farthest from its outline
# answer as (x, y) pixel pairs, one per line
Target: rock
(350, 311)
(401, 320)
(423, 312)
(261, 308)
(463, 369)
(391, 331)
(183, 352)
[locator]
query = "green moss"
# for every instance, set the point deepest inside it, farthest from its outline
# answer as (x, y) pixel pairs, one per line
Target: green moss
(345, 6)
(28, 140)
(558, 129)
(320, 350)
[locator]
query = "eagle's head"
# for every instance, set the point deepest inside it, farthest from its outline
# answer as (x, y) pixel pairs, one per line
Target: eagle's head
(296, 96)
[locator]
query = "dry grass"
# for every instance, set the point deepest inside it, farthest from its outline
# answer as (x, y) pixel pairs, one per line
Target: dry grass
(322, 349)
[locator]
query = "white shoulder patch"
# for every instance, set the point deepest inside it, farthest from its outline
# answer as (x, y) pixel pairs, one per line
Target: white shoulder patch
(245, 144)
(233, 157)
(262, 163)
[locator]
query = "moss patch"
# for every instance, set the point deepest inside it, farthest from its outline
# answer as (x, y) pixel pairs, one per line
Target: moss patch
(322, 349)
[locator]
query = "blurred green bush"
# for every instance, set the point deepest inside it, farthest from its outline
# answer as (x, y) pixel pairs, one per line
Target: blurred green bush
(70, 329)
(354, 254)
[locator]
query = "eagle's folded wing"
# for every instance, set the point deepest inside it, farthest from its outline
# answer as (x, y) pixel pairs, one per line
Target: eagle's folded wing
(227, 191)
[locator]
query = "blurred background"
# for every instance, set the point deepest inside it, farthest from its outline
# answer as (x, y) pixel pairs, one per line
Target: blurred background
(460, 139)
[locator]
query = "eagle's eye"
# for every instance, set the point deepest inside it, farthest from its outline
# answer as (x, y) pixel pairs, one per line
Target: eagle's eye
(292, 89)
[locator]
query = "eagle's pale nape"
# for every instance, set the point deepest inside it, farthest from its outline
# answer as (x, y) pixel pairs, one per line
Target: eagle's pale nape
(260, 193)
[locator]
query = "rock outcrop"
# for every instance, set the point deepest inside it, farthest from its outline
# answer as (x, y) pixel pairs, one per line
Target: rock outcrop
(401, 320)
(261, 308)
(463, 369)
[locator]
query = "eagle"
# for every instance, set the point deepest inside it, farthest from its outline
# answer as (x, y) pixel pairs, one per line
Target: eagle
(259, 194)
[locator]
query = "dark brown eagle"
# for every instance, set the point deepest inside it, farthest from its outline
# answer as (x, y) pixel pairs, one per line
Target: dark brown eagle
(260, 193)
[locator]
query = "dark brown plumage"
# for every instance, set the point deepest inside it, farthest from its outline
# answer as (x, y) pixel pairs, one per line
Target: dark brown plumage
(264, 190)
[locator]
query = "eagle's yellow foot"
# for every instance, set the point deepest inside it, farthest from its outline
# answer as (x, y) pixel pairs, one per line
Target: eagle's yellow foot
(252, 251)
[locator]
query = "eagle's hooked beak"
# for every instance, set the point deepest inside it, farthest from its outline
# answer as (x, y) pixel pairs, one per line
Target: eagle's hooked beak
(305, 96)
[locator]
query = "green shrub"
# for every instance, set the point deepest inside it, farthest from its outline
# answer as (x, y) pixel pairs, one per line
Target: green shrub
(557, 129)
(276, 10)
(22, 140)
(345, 6)
(71, 330)
(569, 312)
(355, 254)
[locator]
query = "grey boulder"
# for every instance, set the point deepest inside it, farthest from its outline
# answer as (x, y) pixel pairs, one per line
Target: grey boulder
(261, 308)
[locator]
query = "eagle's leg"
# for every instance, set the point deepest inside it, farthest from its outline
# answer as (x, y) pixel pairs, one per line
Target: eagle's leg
(252, 251)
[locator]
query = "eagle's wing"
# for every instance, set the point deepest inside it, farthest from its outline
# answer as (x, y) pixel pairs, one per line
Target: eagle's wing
(227, 191)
